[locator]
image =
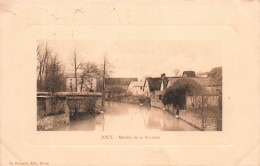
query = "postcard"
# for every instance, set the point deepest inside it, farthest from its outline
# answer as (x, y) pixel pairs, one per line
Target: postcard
(129, 82)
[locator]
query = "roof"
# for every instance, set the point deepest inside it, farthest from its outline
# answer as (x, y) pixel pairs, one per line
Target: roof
(116, 88)
(171, 80)
(203, 81)
(189, 84)
(154, 83)
(215, 76)
(137, 83)
(189, 74)
(119, 81)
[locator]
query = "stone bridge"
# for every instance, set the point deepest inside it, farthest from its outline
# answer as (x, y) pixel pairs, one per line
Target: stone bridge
(54, 110)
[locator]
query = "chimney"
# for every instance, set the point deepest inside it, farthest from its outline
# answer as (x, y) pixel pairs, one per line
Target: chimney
(163, 75)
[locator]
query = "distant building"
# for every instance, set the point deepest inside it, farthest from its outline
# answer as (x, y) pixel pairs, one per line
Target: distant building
(215, 80)
(85, 82)
(151, 85)
(189, 74)
(136, 88)
(117, 86)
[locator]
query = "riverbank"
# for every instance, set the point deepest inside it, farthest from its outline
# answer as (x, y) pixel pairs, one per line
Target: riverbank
(53, 121)
(209, 120)
(139, 100)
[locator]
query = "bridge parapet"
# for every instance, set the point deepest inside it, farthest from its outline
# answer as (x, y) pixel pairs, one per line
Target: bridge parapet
(69, 94)
(50, 103)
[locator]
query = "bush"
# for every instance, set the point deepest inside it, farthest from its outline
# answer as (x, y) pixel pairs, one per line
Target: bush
(176, 94)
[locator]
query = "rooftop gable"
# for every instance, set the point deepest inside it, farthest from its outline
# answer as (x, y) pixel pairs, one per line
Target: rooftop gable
(154, 83)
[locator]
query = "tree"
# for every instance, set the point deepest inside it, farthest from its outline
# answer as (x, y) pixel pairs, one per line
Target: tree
(76, 65)
(106, 72)
(50, 71)
(90, 68)
(44, 52)
(177, 93)
(55, 76)
(176, 72)
(115, 91)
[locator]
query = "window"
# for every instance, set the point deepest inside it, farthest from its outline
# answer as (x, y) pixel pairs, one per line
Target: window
(160, 97)
(140, 88)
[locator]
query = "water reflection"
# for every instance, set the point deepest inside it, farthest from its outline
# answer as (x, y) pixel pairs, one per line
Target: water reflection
(129, 117)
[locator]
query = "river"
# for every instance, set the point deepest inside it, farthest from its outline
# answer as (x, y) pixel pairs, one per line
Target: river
(129, 117)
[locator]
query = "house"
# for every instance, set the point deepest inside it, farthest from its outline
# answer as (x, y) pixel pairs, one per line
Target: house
(189, 74)
(169, 81)
(166, 82)
(215, 80)
(85, 82)
(115, 87)
(136, 88)
(151, 85)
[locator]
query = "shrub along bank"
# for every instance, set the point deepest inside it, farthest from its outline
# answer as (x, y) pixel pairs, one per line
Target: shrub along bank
(132, 99)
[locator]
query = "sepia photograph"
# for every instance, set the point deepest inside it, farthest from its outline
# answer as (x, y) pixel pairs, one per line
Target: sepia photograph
(133, 86)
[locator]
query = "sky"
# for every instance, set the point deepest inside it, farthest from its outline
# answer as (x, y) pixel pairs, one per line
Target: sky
(141, 58)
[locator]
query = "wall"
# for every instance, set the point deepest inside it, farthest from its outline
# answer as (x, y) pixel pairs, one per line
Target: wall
(89, 103)
(212, 100)
(211, 121)
(85, 86)
(47, 119)
(208, 123)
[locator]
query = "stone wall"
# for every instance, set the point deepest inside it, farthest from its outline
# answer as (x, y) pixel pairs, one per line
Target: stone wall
(86, 104)
(208, 122)
(47, 119)
(54, 111)
(212, 100)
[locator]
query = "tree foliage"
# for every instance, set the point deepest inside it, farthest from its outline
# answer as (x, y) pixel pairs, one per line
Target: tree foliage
(176, 72)
(176, 94)
(55, 76)
(91, 68)
(49, 69)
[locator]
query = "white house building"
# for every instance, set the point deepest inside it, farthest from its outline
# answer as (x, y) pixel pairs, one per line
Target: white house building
(85, 83)
(136, 88)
